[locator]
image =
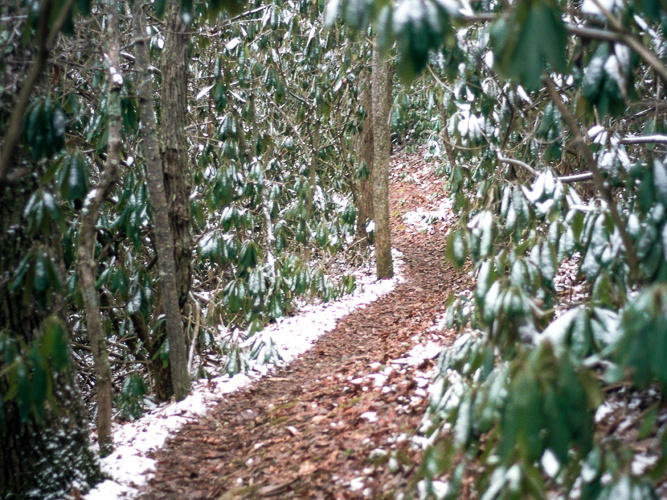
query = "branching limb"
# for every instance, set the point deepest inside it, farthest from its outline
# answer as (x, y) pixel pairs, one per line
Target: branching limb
(45, 39)
(600, 183)
(617, 34)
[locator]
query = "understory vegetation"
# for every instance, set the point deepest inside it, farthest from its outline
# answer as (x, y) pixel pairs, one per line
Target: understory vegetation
(550, 125)
(241, 128)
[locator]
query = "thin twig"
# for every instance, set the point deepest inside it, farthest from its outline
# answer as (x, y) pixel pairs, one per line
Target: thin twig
(566, 179)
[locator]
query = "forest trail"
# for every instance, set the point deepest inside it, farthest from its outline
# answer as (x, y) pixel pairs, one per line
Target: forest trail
(337, 421)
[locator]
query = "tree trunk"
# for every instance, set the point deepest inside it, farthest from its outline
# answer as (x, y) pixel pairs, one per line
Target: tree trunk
(86, 265)
(174, 146)
(380, 173)
(364, 150)
(164, 242)
(312, 184)
(312, 169)
(40, 458)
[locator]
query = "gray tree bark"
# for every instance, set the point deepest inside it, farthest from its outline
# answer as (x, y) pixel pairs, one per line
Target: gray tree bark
(164, 241)
(86, 264)
(174, 145)
(380, 172)
(363, 188)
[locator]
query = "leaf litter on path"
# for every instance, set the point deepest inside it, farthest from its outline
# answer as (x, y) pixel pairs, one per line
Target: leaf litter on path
(339, 420)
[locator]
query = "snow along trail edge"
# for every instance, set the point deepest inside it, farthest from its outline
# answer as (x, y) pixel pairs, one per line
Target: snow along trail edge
(129, 466)
(340, 421)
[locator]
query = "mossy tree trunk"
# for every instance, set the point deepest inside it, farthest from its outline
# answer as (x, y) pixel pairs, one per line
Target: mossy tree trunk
(41, 457)
(44, 443)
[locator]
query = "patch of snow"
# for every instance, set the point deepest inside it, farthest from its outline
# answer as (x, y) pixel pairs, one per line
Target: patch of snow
(203, 92)
(439, 324)
(597, 133)
(378, 379)
(523, 95)
(233, 43)
(371, 416)
(419, 353)
(591, 6)
(129, 465)
(603, 411)
(357, 483)
(550, 463)
(642, 462)
(423, 219)
(438, 489)
(420, 393)
(393, 465)
(422, 381)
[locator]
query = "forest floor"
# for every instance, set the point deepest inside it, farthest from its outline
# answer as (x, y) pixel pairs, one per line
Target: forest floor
(340, 420)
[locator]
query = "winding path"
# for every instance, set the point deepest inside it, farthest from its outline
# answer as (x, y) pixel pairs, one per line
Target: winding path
(337, 421)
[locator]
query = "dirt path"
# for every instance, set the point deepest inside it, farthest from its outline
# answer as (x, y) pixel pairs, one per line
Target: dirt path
(321, 427)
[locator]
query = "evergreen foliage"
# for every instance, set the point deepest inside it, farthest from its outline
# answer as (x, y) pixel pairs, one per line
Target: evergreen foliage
(553, 143)
(548, 116)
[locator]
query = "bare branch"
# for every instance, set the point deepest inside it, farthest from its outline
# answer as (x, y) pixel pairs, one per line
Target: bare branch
(569, 179)
(566, 179)
(645, 139)
(518, 163)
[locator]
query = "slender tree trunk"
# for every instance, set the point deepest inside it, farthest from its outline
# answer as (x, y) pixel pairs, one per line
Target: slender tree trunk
(174, 146)
(312, 182)
(380, 173)
(365, 152)
(164, 242)
(86, 265)
(312, 169)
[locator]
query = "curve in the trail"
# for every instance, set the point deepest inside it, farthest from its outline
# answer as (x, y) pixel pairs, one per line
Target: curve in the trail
(337, 421)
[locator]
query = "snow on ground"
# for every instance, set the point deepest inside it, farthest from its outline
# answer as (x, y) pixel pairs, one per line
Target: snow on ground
(129, 466)
(423, 220)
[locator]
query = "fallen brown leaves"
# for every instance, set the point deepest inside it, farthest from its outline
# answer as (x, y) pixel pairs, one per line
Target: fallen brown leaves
(335, 423)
